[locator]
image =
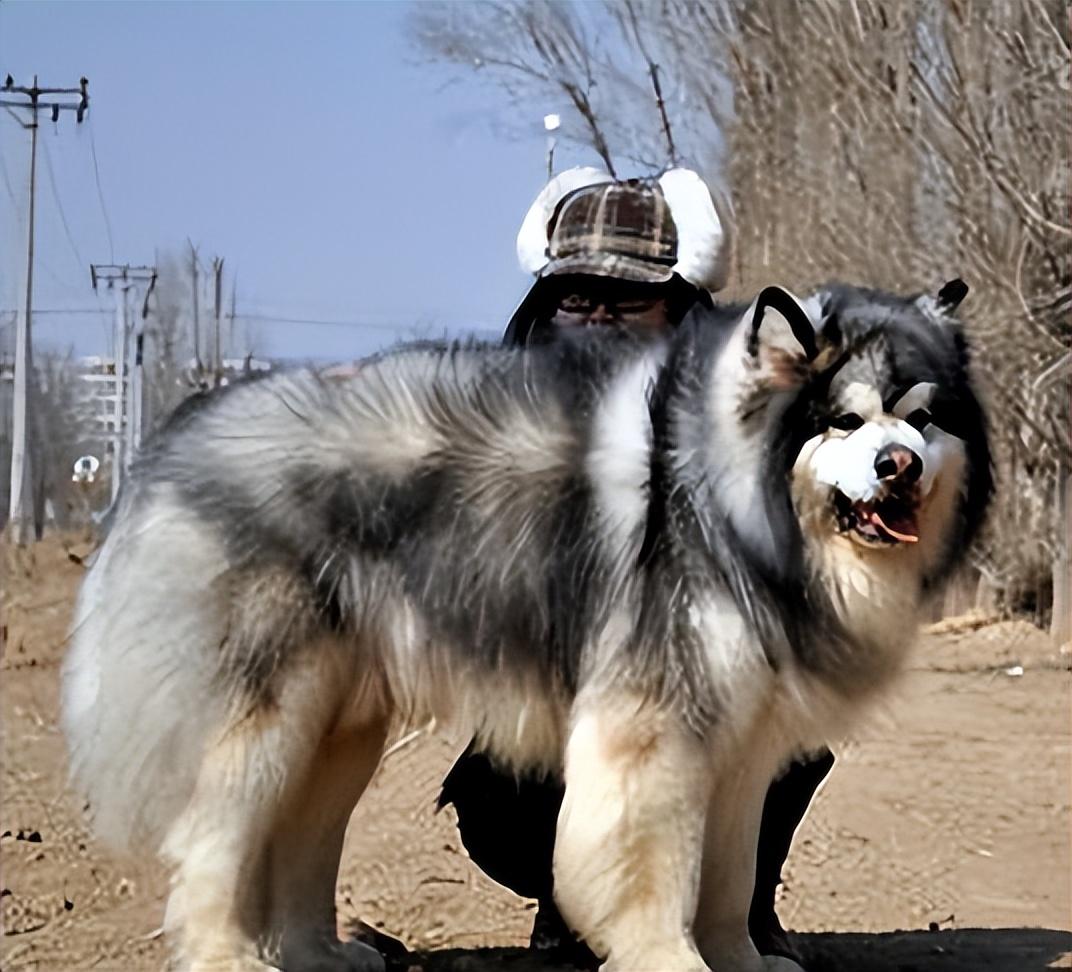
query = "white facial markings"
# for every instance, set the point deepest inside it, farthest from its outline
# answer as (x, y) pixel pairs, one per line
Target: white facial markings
(862, 399)
(919, 395)
(848, 463)
(941, 451)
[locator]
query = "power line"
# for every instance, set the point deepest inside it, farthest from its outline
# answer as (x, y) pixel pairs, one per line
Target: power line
(18, 216)
(278, 319)
(59, 204)
(263, 318)
(267, 318)
(317, 322)
(100, 193)
(44, 264)
(63, 310)
(414, 327)
(7, 186)
(7, 108)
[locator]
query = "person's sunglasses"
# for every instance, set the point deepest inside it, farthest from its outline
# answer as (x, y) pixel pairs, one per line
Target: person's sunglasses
(582, 304)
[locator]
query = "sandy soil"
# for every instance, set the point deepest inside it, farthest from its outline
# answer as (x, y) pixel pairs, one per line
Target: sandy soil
(940, 842)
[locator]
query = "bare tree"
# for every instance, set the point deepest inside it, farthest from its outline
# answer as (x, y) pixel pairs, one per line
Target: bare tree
(169, 344)
(923, 142)
(890, 143)
(173, 371)
(591, 64)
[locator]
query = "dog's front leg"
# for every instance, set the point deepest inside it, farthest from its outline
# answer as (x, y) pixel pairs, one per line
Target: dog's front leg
(729, 861)
(630, 833)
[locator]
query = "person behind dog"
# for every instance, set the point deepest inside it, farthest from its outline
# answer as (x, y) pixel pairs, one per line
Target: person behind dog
(606, 255)
(631, 258)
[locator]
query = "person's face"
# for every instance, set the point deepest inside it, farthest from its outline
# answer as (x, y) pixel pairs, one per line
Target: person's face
(639, 308)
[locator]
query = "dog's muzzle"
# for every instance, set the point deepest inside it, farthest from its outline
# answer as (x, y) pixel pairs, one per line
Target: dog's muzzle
(897, 464)
(890, 517)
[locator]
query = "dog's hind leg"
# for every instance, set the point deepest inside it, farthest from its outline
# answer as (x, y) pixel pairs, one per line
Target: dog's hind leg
(247, 775)
(729, 861)
(305, 848)
(630, 834)
(216, 906)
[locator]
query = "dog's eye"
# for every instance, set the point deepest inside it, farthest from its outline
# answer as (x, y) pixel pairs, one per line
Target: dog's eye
(919, 419)
(846, 422)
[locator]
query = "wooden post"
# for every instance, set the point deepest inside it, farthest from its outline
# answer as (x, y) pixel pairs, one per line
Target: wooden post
(1061, 622)
(118, 460)
(21, 512)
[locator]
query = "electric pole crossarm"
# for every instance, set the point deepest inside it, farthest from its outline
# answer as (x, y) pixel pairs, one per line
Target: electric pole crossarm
(57, 105)
(35, 94)
(32, 92)
(10, 86)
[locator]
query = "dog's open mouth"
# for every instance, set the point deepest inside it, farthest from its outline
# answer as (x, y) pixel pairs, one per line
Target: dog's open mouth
(890, 520)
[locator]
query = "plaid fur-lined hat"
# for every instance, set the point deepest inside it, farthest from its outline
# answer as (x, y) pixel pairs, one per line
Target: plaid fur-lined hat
(615, 229)
(586, 222)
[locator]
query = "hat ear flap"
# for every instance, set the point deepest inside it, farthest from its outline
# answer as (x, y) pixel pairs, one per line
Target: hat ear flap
(780, 321)
(532, 238)
(704, 223)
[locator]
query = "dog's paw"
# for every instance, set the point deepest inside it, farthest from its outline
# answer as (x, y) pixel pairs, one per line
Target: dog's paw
(361, 958)
(779, 963)
(241, 963)
(337, 957)
(667, 960)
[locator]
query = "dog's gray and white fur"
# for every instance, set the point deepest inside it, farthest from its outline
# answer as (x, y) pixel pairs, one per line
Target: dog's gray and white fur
(657, 569)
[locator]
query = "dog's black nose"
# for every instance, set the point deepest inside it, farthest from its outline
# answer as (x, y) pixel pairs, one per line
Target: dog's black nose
(898, 462)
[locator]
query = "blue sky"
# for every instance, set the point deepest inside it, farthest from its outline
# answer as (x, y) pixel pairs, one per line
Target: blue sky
(306, 143)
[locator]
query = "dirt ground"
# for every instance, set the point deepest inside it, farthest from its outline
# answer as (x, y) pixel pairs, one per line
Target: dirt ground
(940, 843)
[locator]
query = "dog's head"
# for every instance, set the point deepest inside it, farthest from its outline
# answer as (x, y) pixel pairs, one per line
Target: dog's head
(863, 401)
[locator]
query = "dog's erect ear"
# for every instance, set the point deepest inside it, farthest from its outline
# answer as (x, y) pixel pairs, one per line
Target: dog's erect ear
(941, 309)
(950, 296)
(773, 307)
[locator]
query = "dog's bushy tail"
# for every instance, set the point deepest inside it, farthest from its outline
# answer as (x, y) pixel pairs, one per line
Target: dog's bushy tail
(139, 696)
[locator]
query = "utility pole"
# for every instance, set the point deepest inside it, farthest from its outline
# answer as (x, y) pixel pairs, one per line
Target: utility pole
(232, 344)
(217, 359)
(551, 124)
(137, 396)
(127, 414)
(197, 317)
(136, 424)
(22, 509)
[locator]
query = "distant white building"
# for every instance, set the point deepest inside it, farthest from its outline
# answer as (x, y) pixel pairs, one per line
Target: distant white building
(88, 410)
(99, 375)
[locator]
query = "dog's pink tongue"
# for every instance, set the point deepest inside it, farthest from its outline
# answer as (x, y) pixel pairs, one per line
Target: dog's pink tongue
(896, 534)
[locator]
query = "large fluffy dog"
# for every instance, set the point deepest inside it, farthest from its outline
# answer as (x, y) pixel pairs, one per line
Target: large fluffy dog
(660, 570)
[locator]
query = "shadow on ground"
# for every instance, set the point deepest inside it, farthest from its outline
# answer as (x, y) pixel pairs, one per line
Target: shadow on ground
(954, 950)
(960, 950)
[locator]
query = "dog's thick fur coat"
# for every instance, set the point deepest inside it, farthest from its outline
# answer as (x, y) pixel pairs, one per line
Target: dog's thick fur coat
(658, 569)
